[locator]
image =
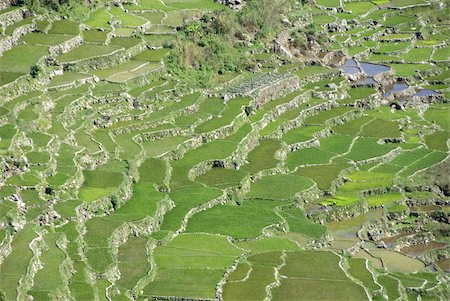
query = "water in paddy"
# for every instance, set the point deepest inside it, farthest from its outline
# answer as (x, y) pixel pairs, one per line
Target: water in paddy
(425, 93)
(351, 67)
(373, 69)
(425, 208)
(351, 70)
(444, 264)
(366, 82)
(417, 250)
(398, 262)
(350, 227)
(389, 241)
(395, 88)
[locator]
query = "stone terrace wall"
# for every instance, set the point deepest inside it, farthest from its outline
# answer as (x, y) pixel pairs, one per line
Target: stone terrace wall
(266, 88)
(5, 4)
(8, 42)
(12, 17)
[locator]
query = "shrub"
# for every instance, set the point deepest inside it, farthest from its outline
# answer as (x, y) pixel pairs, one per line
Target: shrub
(34, 72)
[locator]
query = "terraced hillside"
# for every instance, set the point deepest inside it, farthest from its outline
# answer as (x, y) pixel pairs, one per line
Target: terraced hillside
(318, 172)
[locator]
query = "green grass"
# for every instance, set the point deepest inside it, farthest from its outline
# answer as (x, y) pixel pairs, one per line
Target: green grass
(417, 55)
(159, 40)
(391, 285)
(238, 221)
(221, 177)
(428, 43)
(408, 70)
(312, 71)
(148, 5)
(101, 182)
(67, 78)
(155, 17)
(179, 17)
(87, 51)
(49, 278)
(322, 175)
(125, 19)
(159, 147)
(337, 144)
(438, 141)
(352, 127)
(397, 262)
(263, 156)
(299, 223)
(98, 19)
(37, 38)
(329, 3)
(142, 204)
(358, 8)
(326, 115)
(3, 111)
(185, 200)
(353, 50)
(268, 244)
(396, 36)
(306, 280)
(392, 47)
(38, 157)
(322, 19)
(302, 133)
(65, 27)
(94, 36)
(20, 58)
(259, 276)
(152, 55)
(7, 77)
(288, 186)
(439, 114)
(202, 257)
(384, 199)
(405, 3)
(15, 264)
(234, 108)
(379, 128)
(42, 25)
(137, 91)
(395, 20)
(367, 148)
(306, 156)
(408, 157)
(11, 28)
(133, 261)
(359, 270)
(126, 71)
(441, 54)
(7, 132)
(207, 5)
(423, 163)
(359, 181)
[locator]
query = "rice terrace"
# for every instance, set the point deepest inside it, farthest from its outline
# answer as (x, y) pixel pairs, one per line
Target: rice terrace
(224, 150)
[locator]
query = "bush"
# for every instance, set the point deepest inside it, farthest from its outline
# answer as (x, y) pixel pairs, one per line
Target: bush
(34, 72)
(205, 49)
(264, 16)
(214, 44)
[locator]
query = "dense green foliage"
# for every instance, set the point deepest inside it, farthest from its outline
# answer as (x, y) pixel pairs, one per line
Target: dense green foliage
(215, 44)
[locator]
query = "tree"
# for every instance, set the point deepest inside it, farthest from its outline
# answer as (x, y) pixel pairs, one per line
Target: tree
(264, 16)
(35, 70)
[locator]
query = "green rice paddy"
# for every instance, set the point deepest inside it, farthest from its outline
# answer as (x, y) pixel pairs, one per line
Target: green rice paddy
(120, 181)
